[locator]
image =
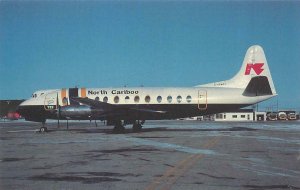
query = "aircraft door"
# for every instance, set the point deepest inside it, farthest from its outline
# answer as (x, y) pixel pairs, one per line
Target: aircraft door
(202, 99)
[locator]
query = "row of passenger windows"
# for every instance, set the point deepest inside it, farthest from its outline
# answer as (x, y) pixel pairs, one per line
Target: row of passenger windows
(147, 99)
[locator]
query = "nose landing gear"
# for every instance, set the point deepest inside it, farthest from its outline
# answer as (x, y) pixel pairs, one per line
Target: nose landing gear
(43, 128)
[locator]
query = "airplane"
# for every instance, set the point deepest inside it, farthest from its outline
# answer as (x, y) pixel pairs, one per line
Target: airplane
(121, 106)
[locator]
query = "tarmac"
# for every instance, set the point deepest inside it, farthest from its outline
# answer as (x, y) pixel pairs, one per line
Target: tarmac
(164, 155)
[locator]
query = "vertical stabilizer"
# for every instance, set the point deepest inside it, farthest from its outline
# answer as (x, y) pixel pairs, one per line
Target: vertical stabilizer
(254, 65)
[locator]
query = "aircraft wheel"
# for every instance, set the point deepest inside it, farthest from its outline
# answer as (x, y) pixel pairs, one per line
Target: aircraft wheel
(119, 128)
(43, 129)
(137, 127)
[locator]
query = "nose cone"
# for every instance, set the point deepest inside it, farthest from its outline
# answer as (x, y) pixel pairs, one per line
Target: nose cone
(31, 111)
(25, 108)
(21, 109)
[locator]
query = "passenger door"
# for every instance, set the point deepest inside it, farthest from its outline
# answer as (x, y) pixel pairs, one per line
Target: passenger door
(202, 99)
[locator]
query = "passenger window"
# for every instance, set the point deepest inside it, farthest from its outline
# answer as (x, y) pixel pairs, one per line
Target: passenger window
(159, 99)
(169, 98)
(116, 99)
(147, 99)
(127, 99)
(188, 98)
(97, 98)
(105, 99)
(179, 99)
(136, 99)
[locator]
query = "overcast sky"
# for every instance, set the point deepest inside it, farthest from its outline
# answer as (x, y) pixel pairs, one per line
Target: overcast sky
(111, 44)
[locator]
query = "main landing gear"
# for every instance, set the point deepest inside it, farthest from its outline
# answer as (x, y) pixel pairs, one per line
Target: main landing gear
(137, 126)
(119, 126)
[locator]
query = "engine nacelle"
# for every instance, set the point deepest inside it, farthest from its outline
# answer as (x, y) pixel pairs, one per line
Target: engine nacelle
(78, 111)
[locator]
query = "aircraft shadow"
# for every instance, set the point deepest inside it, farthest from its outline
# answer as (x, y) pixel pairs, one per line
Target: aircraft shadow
(157, 129)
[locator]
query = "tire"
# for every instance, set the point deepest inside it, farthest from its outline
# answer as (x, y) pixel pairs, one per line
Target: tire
(119, 129)
(137, 127)
(43, 129)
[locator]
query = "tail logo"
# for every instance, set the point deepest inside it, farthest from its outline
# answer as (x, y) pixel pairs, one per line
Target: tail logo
(257, 67)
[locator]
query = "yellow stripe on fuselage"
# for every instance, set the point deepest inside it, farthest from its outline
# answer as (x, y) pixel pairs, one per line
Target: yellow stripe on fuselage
(64, 95)
(83, 92)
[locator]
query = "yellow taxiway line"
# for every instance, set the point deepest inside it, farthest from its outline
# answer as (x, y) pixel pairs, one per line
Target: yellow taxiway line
(171, 175)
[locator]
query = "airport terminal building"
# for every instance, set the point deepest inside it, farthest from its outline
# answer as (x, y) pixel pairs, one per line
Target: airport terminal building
(244, 115)
(241, 115)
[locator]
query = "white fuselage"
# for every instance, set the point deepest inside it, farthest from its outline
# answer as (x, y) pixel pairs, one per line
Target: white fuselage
(146, 95)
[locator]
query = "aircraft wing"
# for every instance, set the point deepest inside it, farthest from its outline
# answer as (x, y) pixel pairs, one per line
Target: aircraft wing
(115, 110)
(148, 110)
(94, 103)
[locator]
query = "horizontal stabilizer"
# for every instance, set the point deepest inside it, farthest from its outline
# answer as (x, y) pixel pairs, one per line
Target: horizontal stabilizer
(258, 86)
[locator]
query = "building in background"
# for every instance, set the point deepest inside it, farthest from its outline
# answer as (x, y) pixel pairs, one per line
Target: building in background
(8, 109)
(241, 115)
(249, 115)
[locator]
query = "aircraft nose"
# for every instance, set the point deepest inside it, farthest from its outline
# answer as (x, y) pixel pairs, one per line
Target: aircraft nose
(20, 109)
(31, 112)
